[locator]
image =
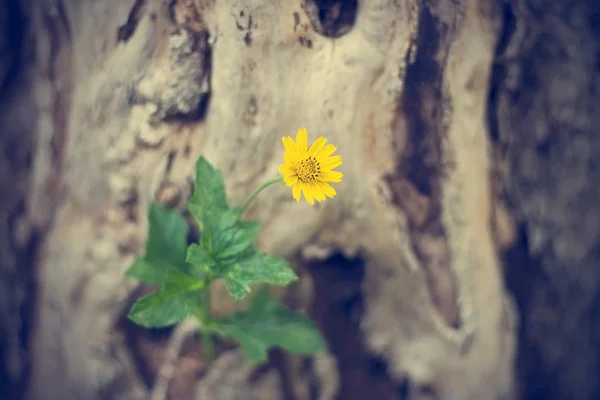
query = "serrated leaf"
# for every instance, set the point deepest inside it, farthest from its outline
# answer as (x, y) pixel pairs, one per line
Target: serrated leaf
(200, 257)
(166, 245)
(267, 324)
(234, 240)
(209, 192)
(228, 218)
(162, 308)
(214, 222)
(258, 267)
(171, 304)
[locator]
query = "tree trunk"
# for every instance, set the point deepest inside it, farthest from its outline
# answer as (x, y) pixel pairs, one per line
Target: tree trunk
(105, 107)
(545, 129)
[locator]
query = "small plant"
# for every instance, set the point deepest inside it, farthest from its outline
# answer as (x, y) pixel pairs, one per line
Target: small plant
(183, 274)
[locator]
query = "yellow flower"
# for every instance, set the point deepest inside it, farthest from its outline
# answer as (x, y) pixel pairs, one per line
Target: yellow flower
(310, 170)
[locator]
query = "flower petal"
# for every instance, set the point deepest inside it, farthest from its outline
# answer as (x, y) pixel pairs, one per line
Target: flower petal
(302, 142)
(331, 176)
(325, 151)
(327, 189)
(331, 163)
(317, 192)
(316, 146)
(285, 169)
(290, 156)
(296, 191)
(290, 180)
(308, 195)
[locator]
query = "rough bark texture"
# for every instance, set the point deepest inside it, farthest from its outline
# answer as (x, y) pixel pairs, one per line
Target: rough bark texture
(18, 238)
(545, 123)
(402, 270)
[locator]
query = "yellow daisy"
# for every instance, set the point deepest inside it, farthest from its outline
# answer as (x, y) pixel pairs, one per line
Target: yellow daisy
(310, 170)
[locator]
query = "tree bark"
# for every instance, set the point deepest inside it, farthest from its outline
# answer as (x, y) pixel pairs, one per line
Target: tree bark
(545, 129)
(18, 239)
(404, 271)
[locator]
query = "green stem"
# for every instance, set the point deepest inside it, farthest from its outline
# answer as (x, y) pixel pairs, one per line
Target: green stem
(208, 343)
(257, 191)
(203, 313)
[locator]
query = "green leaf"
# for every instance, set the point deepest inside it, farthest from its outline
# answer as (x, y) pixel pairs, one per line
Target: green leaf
(254, 349)
(225, 237)
(179, 279)
(167, 236)
(200, 257)
(228, 218)
(196, 212)
(171, 304)
(214, 222)
(209, 192)
(257, 267)
(267, 324)
(166, 245)
(146, 272)
(234, 240)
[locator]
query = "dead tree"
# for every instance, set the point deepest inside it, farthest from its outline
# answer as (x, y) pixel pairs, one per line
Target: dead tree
(467, 131)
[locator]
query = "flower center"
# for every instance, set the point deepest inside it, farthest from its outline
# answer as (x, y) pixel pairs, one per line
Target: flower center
(308, 169)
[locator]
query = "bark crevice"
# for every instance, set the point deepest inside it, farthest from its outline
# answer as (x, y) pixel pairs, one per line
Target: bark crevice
(417, 186)
(331, 18)
(128, 28)
(338, 308)
(19, 239)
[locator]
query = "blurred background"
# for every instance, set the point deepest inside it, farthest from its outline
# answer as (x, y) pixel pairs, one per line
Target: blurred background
(459, 260)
